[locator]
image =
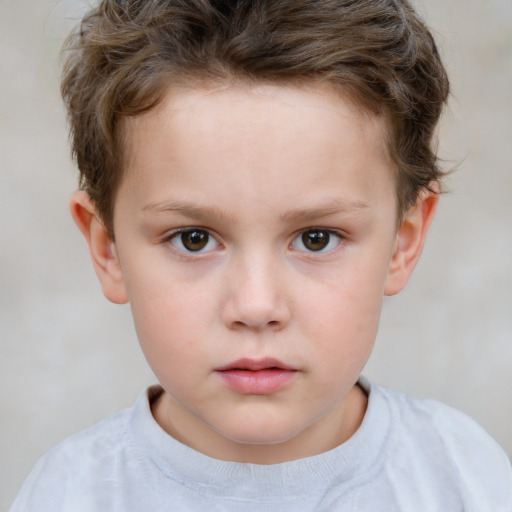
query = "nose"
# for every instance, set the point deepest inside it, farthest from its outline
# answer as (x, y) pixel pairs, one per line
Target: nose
(256, 296)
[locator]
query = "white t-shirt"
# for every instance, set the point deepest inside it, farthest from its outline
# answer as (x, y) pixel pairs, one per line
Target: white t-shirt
(408, 455)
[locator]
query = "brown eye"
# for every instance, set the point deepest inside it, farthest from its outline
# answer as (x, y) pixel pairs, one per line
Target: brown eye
(193, 240)
(316, 240)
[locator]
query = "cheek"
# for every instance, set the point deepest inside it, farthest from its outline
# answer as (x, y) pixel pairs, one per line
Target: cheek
(170, 318)
(169, 338)
(342, 316)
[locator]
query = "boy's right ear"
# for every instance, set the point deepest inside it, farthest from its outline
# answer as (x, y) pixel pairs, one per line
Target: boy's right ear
(101, 246)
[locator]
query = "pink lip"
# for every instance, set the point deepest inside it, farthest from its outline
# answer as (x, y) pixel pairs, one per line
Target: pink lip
(256, 376)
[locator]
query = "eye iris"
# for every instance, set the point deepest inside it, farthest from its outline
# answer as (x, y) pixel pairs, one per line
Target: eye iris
(315, 240)
(194, 240)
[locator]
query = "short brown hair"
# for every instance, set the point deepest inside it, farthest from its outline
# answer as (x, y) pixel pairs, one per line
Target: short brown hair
(125, 55)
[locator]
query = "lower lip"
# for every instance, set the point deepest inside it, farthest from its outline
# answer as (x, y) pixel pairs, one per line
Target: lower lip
(257, 382)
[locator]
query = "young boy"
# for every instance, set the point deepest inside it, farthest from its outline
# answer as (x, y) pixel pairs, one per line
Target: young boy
(255, 176)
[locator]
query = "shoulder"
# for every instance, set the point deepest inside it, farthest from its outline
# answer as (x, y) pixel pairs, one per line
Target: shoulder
(93, 445)
(448, 451)
(73, 467)
(426, 419)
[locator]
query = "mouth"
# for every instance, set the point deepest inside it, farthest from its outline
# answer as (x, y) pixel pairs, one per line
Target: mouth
(256, 376)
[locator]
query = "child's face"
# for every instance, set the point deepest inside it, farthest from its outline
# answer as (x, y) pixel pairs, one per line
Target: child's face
(256, 236)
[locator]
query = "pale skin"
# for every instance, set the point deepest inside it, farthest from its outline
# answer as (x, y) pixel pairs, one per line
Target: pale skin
(256, 222)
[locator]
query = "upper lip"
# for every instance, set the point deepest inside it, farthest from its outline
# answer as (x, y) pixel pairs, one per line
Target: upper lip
(246, 363)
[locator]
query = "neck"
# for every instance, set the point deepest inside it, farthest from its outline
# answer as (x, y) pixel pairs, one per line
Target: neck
(330, 431)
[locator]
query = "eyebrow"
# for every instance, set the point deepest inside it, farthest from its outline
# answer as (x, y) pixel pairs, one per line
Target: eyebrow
(187, 209)
(205, 213)
(326, 209)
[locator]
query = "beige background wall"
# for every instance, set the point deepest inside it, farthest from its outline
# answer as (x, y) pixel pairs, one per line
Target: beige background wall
(68, 357)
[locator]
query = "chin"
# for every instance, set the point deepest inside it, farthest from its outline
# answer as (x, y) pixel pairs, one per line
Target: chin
(260, 434)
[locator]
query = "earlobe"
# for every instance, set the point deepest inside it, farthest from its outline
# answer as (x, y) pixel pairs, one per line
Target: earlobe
(410, 240)
(101, 247)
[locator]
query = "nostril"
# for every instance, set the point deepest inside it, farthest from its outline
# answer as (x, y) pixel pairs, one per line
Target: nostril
(272, 324)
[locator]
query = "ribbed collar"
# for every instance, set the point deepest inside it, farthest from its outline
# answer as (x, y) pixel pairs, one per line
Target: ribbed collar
(345, 465)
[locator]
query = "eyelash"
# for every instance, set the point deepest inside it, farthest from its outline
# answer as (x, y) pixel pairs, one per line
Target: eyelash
(298, 239)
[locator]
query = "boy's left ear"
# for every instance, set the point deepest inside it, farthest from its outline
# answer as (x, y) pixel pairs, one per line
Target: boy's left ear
(410, 240)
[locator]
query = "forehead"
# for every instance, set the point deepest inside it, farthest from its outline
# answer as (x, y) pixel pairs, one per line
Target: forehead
(203, 100)
(259, 137)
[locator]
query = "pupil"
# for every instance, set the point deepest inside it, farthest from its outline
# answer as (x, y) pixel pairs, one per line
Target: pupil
(315, 240)
(194, 240)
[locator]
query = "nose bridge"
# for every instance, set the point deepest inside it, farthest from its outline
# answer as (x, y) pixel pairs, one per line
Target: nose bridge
(257, 296)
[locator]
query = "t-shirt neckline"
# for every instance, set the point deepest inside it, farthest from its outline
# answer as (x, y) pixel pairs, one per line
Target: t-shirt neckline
(345, 465)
